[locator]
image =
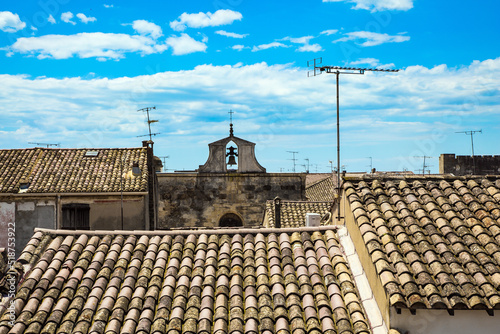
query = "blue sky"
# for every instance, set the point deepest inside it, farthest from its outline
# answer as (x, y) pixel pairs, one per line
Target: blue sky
(76, 72)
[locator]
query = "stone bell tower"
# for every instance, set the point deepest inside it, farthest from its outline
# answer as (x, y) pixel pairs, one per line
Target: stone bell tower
(231, 155)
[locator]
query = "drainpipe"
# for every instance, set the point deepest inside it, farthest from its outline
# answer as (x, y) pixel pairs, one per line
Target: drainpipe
(277, 212)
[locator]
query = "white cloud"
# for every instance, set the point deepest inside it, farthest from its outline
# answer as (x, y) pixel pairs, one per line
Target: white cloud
(298, 40)
(202, 20)
(278, 107)
(310, 48)
(86, 45)
(185, 44)
(51, 19)
(269, 46)
(108, 6)
(379, 5)
(371, 62)
(306, 47)
(372, 38)
(10, 22)
(239, 47)
(230, 34)
(67, 16)
(85, 19)
(144, 27)
(329, 32)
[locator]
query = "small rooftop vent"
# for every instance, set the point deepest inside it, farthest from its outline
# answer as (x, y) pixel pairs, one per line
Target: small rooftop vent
(91, 153)
(313, 219)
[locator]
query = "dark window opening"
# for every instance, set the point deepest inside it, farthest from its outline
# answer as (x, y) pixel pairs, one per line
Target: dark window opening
(230, 220)
(75, 217)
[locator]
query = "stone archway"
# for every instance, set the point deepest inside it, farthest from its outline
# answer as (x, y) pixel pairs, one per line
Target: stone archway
(230, 220)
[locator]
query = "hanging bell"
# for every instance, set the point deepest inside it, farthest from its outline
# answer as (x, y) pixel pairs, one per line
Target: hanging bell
(231, 161)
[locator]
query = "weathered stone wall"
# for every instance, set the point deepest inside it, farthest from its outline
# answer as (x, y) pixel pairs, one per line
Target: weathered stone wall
(463, 164)
(200, 200)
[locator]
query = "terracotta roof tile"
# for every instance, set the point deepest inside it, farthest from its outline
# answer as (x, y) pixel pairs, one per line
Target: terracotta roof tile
(434, 240)
(323, 190)
(252, 283)
(293, 213)
(49, 170)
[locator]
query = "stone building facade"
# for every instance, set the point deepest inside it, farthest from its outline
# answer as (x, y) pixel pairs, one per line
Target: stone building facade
(461, 165)
(229, 190)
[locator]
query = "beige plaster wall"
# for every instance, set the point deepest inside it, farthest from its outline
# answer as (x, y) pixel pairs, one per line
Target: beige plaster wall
(439, 321)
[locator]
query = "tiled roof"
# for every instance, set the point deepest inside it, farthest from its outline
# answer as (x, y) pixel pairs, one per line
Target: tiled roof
(435, 241)
(323, 190)
(293, 213)
(186, 283)
(70, 170)
(312, 178)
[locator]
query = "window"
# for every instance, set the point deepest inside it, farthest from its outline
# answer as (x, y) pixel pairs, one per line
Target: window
(230, 220)
(75, 216)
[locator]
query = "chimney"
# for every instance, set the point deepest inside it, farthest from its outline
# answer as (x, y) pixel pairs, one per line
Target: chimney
(277, 212)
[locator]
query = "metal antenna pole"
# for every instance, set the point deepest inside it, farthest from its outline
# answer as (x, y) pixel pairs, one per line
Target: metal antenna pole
(424, 165)
(471, 133)
(45, 144)
(371, 163)
(147, 109)
(337, 70)
(293, 159)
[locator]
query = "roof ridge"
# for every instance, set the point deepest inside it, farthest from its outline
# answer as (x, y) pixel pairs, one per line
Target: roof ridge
(246, 230)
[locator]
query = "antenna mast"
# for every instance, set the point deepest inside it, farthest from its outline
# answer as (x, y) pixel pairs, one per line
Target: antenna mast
(147, 109)
(337, 70)
(45, 144)
(471, 133)
(293, 159)
(424, 166)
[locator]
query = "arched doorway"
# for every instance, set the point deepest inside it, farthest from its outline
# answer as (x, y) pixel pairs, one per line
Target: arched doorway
(230, 220)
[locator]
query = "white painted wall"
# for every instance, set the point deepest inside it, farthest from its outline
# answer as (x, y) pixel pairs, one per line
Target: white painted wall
(440, 322)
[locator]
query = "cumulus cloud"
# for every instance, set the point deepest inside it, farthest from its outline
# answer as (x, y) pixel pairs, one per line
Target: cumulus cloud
(10, 22)
(185, 44)
(379, 5)
(230, 34)
(239, 47)
(269, 46)
(202, 20)
(372, 38)
(371, 62)
(51, 19)
(86, 45)
(280, 108)
(67, 16)
(329, 32)
(310, 48)
(144, 27)
(306, 47)
(85, 19)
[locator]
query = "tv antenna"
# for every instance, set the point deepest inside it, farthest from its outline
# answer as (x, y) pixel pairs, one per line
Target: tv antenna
(371, 164)
(471, 133)
(164, 159)
(338, 70)
(293, 159)
(424, 166)
(146, 110)
(45, 144)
